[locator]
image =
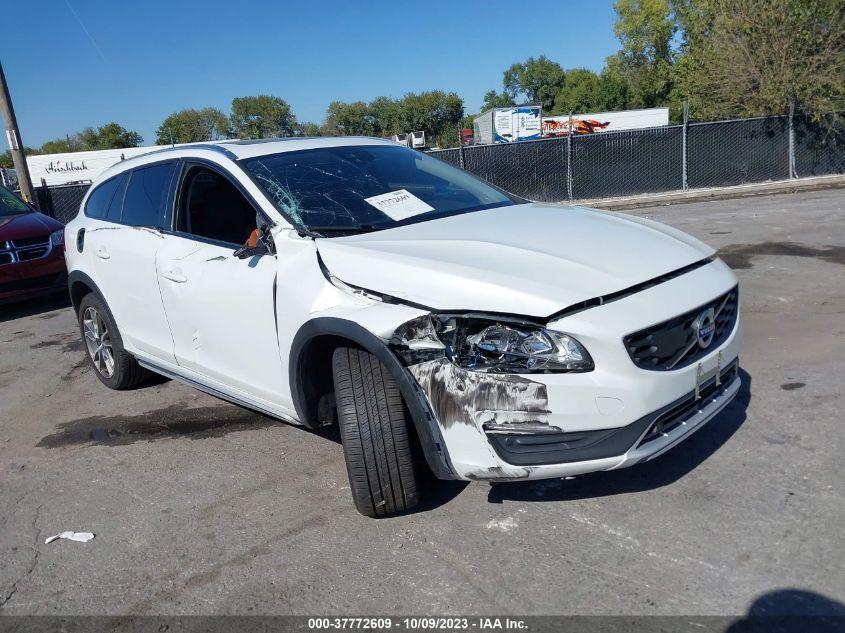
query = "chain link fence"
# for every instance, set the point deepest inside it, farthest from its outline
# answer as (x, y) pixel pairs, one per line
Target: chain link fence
(60, 202)
(660, 159)
(737, 152)
(819, 147)
(624, 163)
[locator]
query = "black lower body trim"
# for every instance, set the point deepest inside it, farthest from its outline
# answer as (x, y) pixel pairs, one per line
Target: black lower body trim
(579, 446)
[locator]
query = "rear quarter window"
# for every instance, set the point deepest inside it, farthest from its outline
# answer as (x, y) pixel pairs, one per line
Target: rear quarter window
(116, 205)
(143, 204)
(98, 202)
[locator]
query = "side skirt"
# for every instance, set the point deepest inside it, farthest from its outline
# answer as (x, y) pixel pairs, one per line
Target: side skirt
(243, 401)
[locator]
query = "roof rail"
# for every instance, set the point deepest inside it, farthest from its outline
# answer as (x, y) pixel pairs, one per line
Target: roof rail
(209, 146)
(214, 148)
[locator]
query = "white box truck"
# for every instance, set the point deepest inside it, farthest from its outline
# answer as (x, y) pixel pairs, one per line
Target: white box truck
(507, 125)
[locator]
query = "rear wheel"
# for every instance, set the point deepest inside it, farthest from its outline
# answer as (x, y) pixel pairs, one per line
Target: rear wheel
(115, 367)
(375, 433)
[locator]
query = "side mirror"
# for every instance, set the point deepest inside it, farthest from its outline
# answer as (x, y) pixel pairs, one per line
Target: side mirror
(264, 246)
(246, 252)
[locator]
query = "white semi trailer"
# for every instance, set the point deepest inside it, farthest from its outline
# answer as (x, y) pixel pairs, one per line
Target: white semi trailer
(605, 121)
(79, 167)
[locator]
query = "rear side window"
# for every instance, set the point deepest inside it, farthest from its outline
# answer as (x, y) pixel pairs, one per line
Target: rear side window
(143, 204)
(100, 199)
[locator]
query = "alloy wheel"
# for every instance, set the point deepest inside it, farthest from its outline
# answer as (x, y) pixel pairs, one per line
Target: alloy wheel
(98, 342)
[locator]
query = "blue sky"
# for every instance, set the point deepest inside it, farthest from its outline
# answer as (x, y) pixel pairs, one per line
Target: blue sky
(77, 63)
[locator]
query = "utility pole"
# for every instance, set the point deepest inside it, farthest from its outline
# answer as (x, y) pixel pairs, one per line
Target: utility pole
(684, 166)
(14, 138)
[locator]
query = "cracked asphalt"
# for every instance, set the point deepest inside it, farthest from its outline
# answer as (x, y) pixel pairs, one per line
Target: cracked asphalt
(201, 507)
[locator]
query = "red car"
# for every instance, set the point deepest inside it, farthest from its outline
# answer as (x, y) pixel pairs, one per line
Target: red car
(32, 254)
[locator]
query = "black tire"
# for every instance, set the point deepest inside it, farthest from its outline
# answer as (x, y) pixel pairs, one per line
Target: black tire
(375, 434)
(126, 372)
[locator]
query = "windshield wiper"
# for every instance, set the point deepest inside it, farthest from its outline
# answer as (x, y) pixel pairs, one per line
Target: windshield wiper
(361, 228)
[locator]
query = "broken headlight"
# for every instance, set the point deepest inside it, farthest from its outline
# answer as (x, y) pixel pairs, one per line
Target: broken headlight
(490, 345)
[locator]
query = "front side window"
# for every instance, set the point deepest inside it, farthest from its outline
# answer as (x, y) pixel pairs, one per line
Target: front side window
(368, 187)
(143, 204)
(211, 207)
(10, 204)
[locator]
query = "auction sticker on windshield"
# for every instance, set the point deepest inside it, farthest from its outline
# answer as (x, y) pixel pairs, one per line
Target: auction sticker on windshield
(399, 205)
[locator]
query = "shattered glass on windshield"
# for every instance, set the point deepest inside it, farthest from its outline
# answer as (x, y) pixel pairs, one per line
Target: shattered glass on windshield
(332, 189)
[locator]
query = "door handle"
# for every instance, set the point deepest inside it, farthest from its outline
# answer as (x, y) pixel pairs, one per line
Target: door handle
(174, 275)
(102, 253)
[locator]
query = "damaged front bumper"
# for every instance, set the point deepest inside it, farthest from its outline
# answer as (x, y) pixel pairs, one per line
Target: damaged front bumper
(501, 427)
(478, 453)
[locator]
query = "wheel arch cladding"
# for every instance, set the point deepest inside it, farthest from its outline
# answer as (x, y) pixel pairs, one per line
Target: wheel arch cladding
(79, 284)
(321, 336)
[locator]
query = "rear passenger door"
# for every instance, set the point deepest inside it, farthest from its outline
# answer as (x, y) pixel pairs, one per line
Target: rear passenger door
(124, 255)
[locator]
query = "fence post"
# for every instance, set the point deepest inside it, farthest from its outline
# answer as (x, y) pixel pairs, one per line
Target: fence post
(684, 184)
(791, 139)
(569, 159)
(461, 161)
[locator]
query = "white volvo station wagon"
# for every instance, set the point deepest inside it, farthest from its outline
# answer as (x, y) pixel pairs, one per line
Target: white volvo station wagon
(442, 323)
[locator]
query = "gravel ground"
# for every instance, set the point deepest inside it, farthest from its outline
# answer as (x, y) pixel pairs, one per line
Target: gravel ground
(201, 507)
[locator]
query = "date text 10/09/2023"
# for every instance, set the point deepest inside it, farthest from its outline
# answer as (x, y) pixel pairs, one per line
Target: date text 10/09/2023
(419, 623)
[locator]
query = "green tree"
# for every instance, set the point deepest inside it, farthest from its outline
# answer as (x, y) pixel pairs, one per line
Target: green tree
(613, 91)
(307, 128)
(580, 94)
(435, 112)
(6, 161)
(348, 119)
(493, 99)
(261, 116)
(385, 116)
(536, 80)
(748, 57)
(63, 145)
(193, 126)
(109, 136)
(645, 29)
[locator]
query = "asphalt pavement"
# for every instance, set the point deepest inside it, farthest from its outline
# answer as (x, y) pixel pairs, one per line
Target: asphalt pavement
(201, 507)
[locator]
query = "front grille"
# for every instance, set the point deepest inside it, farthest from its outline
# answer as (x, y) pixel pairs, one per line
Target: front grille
(26, 242)
(684, 409)
(673, 344)
(24, 249)
(24, 255)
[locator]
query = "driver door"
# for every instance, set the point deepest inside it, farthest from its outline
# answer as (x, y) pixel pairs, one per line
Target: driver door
(221, 309)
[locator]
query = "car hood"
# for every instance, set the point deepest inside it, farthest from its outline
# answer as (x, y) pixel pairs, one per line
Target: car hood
(16, 227)
(530, 259)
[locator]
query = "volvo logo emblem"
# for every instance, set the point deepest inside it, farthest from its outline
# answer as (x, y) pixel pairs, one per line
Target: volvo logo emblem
(704, 327)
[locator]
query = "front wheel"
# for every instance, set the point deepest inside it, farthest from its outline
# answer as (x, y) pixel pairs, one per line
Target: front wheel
(375, 434)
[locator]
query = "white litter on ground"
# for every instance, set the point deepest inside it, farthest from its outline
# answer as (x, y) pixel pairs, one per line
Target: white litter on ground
(82, 537)
(503, 525)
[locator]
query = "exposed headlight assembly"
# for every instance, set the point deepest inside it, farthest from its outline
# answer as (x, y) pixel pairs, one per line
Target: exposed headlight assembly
(503, 346)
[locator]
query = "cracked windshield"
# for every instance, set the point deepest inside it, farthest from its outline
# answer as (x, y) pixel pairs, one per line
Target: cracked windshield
(337, 190)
